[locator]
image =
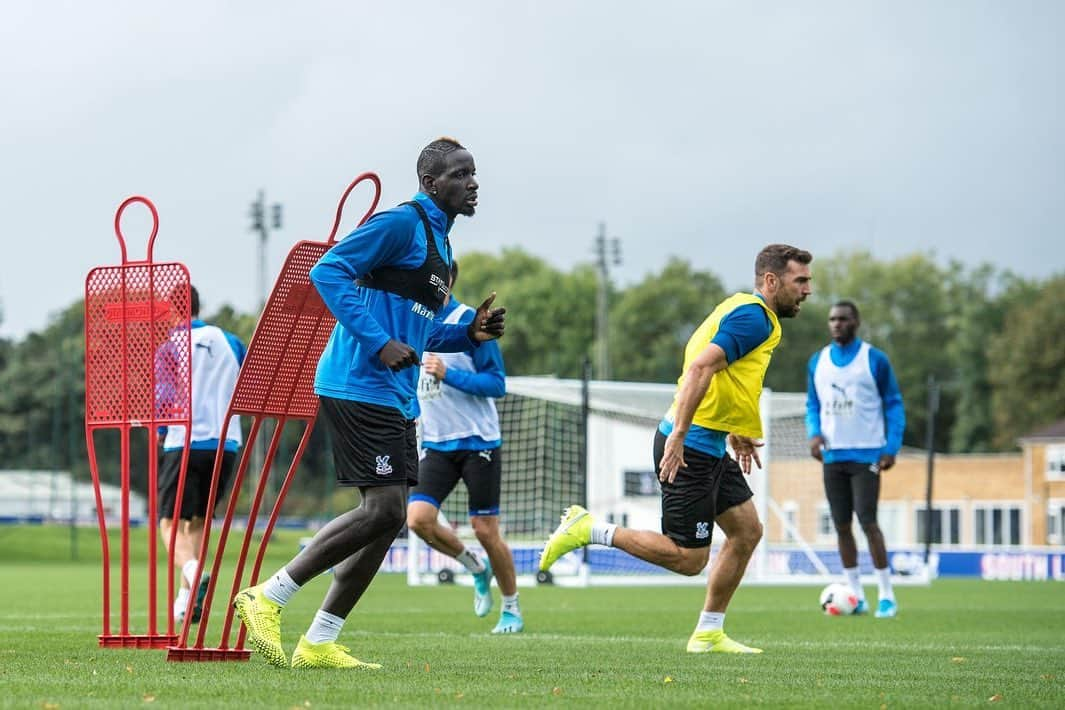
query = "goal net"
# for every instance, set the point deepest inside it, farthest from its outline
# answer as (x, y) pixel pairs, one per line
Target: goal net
(570, 441)
(543, 470)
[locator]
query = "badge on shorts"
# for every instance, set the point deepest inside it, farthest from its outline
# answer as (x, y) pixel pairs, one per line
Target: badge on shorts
(384, 468)
(702, 531)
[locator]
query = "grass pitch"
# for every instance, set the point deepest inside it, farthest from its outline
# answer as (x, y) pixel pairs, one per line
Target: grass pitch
(954, 643)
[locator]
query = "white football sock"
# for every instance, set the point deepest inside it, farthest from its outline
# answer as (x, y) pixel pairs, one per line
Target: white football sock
(883, 580)
(181, 601)
(188, 571)
(510, 604)
(470, 561)
(603, 533)
(325, 627)
(854, 577)
(711, 621)
(280, 588)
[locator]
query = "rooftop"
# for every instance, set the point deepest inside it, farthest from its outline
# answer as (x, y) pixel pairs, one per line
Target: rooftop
(1054, 431)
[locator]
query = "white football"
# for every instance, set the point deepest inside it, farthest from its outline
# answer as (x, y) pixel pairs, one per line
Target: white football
(838, 600)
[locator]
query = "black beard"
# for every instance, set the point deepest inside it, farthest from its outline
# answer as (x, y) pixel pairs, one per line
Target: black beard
(788, 312)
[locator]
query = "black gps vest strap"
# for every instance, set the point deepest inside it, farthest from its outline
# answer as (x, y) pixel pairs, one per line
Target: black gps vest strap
(416, 284)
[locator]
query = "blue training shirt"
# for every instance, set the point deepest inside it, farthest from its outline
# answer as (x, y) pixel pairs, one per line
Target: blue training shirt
(891, 398)
(740, 332)
(367, 318)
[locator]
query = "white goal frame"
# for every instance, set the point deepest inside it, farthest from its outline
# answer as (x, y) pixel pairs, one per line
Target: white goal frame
(604, 492)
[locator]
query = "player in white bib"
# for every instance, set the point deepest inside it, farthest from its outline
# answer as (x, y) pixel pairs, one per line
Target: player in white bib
(461, 439)
(855, 420)
(216, 359)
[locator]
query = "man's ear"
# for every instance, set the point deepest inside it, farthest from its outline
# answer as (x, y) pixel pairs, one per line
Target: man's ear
(427, 183)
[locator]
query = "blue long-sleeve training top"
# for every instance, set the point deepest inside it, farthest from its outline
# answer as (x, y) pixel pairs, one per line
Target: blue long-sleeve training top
(367, 318)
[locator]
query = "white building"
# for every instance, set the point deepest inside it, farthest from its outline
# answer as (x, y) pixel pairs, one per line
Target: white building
(52, 496)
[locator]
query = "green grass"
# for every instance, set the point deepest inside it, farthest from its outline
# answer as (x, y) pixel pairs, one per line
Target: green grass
(955, 643)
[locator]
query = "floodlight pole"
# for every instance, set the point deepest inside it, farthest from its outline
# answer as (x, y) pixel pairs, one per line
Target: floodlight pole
(258, 225)
(607, 253)
(930, 445)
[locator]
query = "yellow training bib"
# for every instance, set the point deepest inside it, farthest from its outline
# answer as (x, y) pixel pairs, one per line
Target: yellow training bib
(731, 402)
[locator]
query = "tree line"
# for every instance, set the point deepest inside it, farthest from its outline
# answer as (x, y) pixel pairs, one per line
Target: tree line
(994, 341)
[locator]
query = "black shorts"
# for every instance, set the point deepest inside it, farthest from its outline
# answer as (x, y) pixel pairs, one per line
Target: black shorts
(852, 487)
(372, 445)
(481, 471)
(197, 482)
(705, 488)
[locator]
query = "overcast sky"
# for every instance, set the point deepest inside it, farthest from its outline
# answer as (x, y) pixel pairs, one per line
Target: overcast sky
(698, 129)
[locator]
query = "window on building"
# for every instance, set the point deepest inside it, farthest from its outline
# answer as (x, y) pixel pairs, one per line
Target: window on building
(790, 509)
(826, 530)
(1055, 521)
(945, 522)
(1055, 462)
(996, 524)
(642, 483)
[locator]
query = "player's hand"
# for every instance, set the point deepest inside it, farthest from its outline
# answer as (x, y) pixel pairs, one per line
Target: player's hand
(746, 450)
(817, 443)
(487, 323)
(397, 356)
(886, 461)
(435, 366)
(672, 458)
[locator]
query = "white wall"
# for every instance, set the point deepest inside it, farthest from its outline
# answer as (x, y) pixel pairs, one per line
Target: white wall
(48, 494)
(615, 446)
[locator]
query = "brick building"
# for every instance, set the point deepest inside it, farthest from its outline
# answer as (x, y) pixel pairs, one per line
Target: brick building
(979, 500)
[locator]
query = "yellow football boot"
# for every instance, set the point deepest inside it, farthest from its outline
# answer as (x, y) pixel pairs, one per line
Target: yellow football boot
(574, 531)
(262, 619)
(716, 642)
(326, 655)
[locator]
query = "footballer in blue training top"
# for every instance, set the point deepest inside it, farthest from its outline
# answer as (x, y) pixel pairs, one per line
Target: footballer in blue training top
(384, 283)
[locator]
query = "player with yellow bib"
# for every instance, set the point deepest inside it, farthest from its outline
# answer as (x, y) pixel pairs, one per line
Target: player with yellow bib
(716, 405)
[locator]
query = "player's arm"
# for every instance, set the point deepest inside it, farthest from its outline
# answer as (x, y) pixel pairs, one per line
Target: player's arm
(235, 344)
(813, 411)
(384, 240)
(168, 390)
(487, 324)
(488, 379)
(894, 411)
(740, 332)
(692, 390)
(166, 385)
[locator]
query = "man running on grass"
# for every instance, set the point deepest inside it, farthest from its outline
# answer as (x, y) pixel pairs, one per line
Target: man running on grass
(725, 363)
(461, 440)
(384, 283)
